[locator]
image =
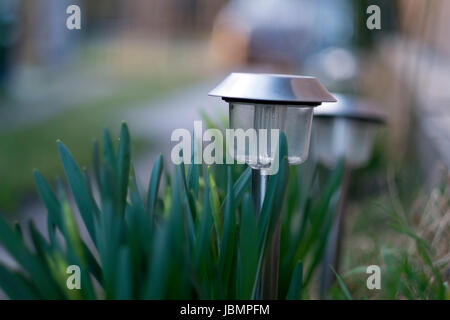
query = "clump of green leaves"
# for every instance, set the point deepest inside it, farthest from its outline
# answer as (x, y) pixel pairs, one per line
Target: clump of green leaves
(197, 237)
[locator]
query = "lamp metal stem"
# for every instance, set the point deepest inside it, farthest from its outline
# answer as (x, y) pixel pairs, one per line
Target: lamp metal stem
(268, 282)
(334, 242)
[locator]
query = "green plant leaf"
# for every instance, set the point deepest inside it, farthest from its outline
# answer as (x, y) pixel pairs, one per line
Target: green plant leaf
(202, 257)
(123, 161)
(248, 245)
(193, 172)
(51, 203)
(342, 285)
(229, 235)
(109, 155)
(296, 286)
(153, 186)
(124, 280)
(240, 187)
(214, 196)
(16, 287)
(79, 190)
(29, 262)
(159, 264)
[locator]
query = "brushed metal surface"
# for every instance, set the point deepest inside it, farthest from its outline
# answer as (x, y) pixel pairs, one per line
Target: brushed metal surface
(272, 88)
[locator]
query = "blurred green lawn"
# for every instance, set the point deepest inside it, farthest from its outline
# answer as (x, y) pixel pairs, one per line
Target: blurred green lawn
(30, 147)
(140, 70)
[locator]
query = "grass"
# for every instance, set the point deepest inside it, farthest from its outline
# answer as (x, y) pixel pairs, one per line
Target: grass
(23, 149)
(137, 70)
(413, 257)
(400, 226)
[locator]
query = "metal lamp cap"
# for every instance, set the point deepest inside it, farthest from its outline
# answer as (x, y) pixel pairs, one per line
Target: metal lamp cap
(352, 108)
(272, 89)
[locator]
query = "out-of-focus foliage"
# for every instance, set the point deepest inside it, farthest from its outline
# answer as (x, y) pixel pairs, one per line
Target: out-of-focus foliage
(198, 237)
(194, 235)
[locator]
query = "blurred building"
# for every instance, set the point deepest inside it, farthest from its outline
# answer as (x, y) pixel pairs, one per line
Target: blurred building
(45, 39)
(171, 17)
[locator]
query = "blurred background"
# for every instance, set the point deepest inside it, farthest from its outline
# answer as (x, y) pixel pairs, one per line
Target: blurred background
(152, 63)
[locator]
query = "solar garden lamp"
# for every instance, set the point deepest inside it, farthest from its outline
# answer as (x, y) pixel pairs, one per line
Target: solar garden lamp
(342, 131)
(263, 102)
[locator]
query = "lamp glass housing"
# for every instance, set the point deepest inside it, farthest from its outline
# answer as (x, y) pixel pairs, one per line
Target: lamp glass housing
(294, 121)
(336, 138)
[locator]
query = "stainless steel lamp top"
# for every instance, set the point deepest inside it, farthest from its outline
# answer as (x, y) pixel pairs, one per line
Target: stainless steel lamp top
(352, 108)
(272, 89)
